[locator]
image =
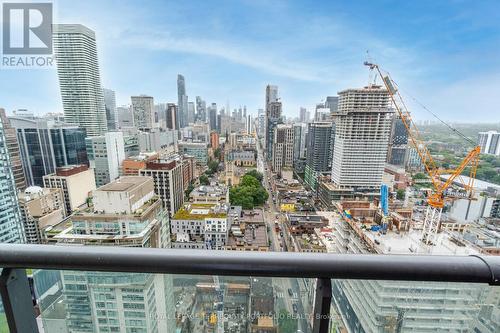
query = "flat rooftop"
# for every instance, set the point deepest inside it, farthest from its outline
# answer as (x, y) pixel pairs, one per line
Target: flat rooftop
(200, 212)
(125, 183)
(403, 242)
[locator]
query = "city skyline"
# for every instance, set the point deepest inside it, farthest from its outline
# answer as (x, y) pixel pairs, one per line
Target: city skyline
(235, 57)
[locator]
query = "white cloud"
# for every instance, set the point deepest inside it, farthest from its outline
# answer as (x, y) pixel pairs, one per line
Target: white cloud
(256, 57)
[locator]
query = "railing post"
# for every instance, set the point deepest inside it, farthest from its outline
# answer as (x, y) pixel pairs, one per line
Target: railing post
(322, 303)
(17, 301)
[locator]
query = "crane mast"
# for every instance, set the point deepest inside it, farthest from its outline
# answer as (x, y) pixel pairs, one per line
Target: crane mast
(437, 199)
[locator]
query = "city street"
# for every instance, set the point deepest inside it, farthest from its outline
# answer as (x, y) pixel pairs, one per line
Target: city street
(281, 285)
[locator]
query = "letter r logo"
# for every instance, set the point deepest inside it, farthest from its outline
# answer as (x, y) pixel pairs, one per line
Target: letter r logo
(27, 28)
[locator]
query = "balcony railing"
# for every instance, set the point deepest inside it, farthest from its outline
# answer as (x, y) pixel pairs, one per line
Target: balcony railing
(18, 300)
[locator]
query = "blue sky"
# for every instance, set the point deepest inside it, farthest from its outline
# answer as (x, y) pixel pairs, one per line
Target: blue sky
(445, 53)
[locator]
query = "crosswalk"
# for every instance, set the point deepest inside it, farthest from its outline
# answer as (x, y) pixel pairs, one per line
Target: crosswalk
(280, 294)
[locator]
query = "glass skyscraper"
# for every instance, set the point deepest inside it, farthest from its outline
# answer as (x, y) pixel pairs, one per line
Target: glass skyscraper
(46, 145)
(11, 225)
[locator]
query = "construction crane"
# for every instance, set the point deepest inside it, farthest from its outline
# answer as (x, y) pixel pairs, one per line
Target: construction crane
(437, 199)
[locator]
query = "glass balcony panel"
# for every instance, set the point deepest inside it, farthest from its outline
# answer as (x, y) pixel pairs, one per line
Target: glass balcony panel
(77, 301)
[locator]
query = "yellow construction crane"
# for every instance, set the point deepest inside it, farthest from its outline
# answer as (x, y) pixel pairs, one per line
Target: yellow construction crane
(437, 199)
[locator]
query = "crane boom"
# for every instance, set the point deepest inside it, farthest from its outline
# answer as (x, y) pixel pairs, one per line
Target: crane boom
(437, 199)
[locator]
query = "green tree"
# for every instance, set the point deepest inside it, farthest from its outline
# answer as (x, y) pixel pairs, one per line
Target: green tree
(254, 173)
(250, 181)
(189, 189)
(204, 180)
(217, 153)
(249, 193)
(213, 166)
(400, 194)
(419, 175)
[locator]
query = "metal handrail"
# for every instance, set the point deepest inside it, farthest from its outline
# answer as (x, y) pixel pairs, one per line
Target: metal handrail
(478, 269)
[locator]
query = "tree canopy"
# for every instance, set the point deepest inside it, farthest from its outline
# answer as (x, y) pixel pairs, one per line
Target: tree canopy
(256, 174)
(249, 193)
(204, 180)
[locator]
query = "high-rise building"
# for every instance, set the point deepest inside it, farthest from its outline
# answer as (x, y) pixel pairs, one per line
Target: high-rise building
(143, 110)
(160, 114)
(40, 208)
(156, 140)
(76, 182)
(46, 145)
(190, 113)
(125, 116)
(125, 212)
(110, 106)
(489, 142)
(271, 99)
(303, 115)
(283, 141)
(300, 143)
(214, 140)
(79, 78)
(261, 122)
(212, 116)
(332, 103)
(362, 130)
(11, 224)
(201, 109)
(320, 138)
(397, 153)
(198, 150)
(171, 116)
(106, 154)
(249, 124)
(181, 101)
(273, 118)
(167, 174)
(14, 152)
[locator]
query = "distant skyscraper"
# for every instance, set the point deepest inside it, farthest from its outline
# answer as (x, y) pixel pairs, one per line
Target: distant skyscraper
(181, 101)
(110, 106)
(143, 110)
(14, 152)
(125, 116)
(332, 103)
(271, 97)
(11, 224)
(363, 127)
(300, 144)
(106, 154)
(489, 142)
(303, 115)
(249, 123)
(261, 122)
(201, 109)
(212, 116)
(273, 118)
(190, 113)
(319, 151)
(79, 79)
(45, 145)
(282, 152)
(171, 117)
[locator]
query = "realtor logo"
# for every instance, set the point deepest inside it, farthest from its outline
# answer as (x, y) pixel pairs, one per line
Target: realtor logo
(27, 28)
